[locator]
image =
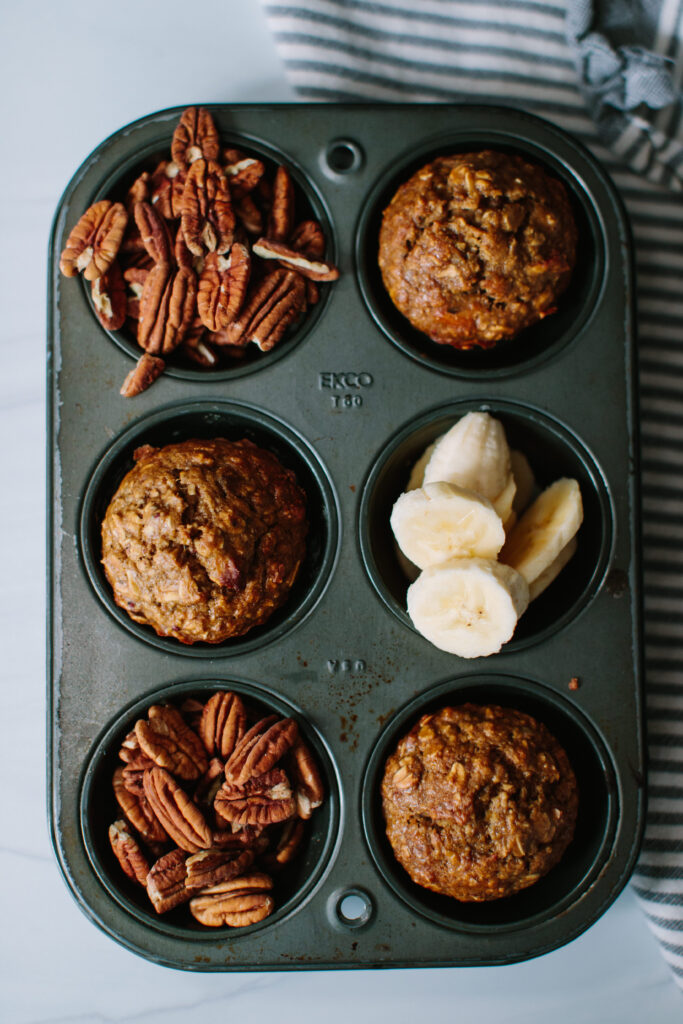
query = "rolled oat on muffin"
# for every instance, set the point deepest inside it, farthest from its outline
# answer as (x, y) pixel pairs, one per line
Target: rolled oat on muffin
(203, 539)
(479, 801)
(475, 247)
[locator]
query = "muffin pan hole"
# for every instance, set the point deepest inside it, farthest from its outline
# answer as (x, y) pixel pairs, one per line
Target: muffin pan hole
(342, 157)
(309, 205)
(232, 421)
(98, 809)
(585, 856)
(536, 343)
(350, 908)
(553, 452)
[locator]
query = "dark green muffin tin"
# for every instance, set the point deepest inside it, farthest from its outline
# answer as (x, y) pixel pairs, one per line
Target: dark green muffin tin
(349, 400)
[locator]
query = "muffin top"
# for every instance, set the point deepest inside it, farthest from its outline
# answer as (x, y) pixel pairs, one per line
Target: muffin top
(475, 247)
(203, 539)
(479, 801)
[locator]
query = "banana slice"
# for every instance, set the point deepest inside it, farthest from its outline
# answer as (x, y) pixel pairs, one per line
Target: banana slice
(544, 529)
(473, 454)
(468, 606)
(525, 480)
(441, 521)
(503, 502)
(417, 473)
(553, 570)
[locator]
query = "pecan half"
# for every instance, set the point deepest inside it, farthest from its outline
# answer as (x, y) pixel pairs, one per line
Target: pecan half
(138, 811)
(316, 270)
(223, 723)
(132, 773)
(261, 748)
(127, 852)
(166, 882)
(166, 189)
(223, 287)
(95, 240)
(167, 306)
(287, 845)
(265, 800)
(170, 743)
(143, 375)
(138, 191)
(308, 784)
(274, 305)
(308, 239)
(249, 215)
(195, 137)
(243, 172)
(281, 219)
(109, 298)
(181, 818)
(196, 349)
(207, 219)
(153, 232)
(130, 748)
(237, 903)
(209, 867)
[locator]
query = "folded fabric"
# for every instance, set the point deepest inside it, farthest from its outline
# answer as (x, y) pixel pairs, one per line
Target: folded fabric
(629, 58)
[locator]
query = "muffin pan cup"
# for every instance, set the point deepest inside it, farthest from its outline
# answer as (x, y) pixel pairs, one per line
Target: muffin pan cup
(350, 396)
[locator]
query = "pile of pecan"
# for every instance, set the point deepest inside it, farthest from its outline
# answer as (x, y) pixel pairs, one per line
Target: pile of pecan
(204, 256)
(214, 806)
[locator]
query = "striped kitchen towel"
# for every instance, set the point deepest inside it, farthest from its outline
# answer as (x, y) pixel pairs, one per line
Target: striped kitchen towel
(611, 74)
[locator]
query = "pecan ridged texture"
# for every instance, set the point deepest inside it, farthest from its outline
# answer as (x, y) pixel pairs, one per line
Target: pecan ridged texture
(264, 800)
(281, 219)
(223, 723)
(195, 137)
(261, 748)
(166, 739)
(95, 240)
(153, 232)
(138, 811)
(166, 882)
(127, 852)
(210, 867)
(316, 270)
(273, 305)
(223, 287)
(309, 790)
(143, 375)
(179, 815)
(243, 172)
(108, 293)
(237, 903)
(167, 307)
(207, 219)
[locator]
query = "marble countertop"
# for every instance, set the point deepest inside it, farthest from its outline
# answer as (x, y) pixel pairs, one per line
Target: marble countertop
(71, 74)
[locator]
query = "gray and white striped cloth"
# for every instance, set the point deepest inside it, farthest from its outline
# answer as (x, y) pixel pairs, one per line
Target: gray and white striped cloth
(596, 70)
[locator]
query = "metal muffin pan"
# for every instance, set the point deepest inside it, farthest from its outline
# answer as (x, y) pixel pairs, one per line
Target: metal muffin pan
(348, 400)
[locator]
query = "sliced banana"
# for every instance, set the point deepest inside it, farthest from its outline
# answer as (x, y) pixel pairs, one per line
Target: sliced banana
(417, 473)
(503, 502)
(468, 606)
(553, 570)
(474, 454)
(544, 530)
(408, 568)
(525, 480)
(441, 521)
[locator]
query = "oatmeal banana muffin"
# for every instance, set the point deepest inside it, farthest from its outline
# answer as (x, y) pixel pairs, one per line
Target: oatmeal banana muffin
(477, 246)
(203, 539)
(479, 802)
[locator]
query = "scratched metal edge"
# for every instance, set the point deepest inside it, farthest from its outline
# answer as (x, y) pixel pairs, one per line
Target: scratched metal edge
(52, 406)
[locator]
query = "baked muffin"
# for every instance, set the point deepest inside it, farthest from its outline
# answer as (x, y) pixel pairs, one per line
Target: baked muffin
(479, 802)
(203, 539)
(477, 246)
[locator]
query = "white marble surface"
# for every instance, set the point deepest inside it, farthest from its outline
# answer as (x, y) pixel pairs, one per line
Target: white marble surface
(71, 73)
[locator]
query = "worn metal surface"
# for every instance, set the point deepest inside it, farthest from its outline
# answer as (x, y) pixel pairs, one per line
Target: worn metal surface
(351, 664)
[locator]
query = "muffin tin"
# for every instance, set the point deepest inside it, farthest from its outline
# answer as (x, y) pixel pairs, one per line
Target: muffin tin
(348, 400)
